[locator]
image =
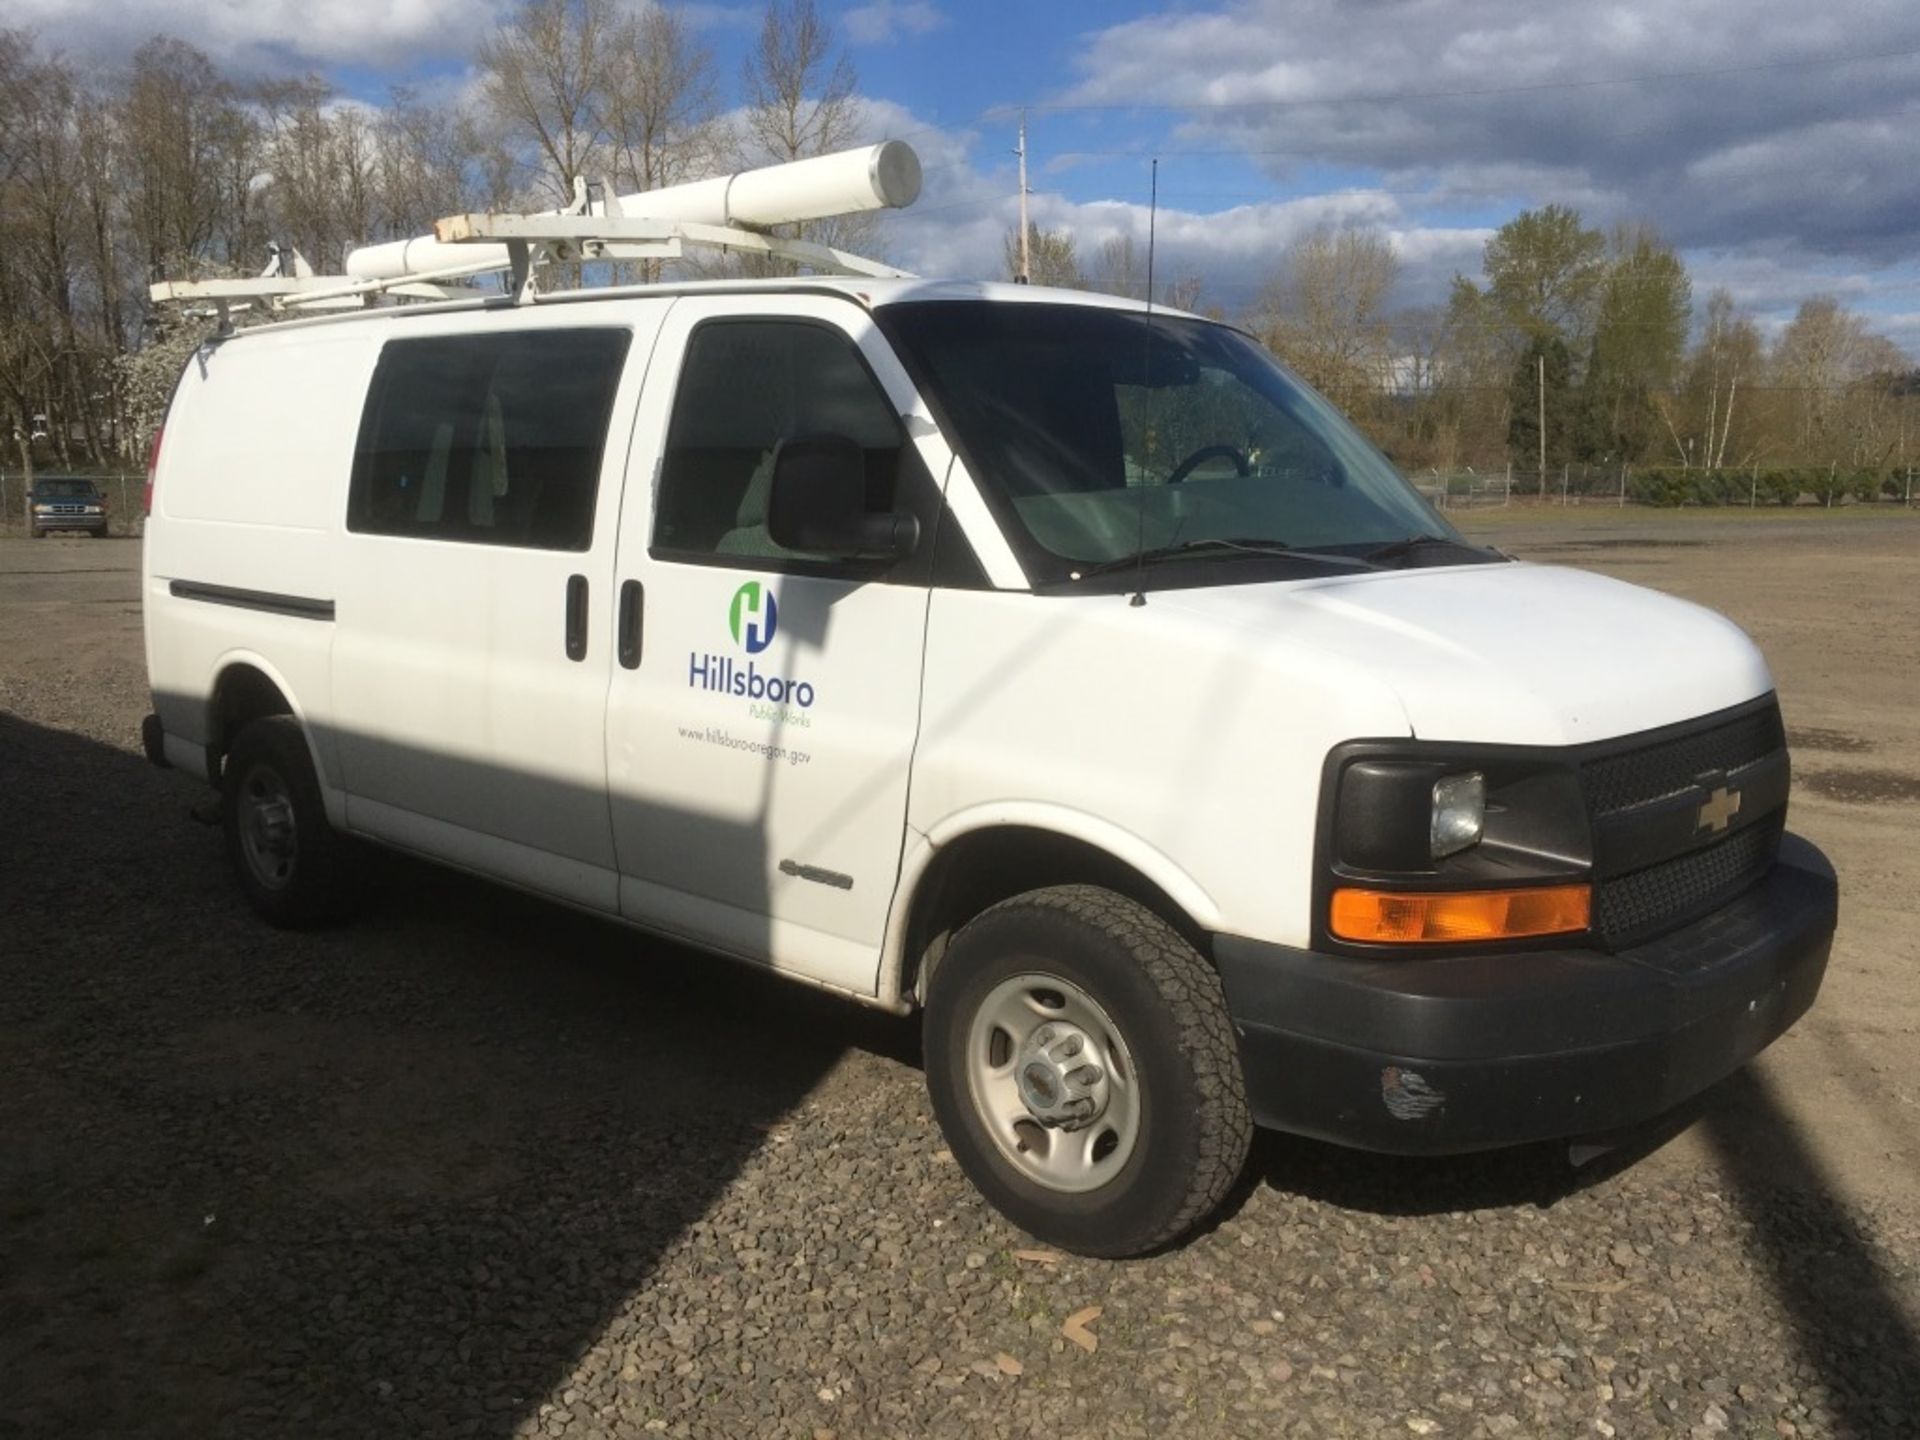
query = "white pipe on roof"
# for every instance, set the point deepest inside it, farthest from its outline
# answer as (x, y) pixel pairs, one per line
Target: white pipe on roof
(875, 177)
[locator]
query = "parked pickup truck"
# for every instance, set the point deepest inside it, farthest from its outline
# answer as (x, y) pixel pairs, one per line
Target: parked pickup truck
(66, 505)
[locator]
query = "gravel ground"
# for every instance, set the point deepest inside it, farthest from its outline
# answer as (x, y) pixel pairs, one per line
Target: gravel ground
(477, 1166)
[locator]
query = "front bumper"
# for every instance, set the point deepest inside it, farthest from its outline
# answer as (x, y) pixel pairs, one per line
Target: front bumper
(52, 523)
(1437, 1055)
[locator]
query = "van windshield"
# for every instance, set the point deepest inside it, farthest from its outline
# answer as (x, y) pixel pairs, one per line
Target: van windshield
(1099, 434)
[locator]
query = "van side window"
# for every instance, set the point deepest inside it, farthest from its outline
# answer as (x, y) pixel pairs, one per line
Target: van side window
(745, 386)
(487, 439)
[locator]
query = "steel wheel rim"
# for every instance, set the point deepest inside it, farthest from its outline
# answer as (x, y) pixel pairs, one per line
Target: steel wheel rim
(1029, 1047)
(269, 834)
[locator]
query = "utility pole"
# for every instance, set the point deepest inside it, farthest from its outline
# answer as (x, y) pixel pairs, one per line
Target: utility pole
(1542, 358)
(1025, 277)
(1726, 429)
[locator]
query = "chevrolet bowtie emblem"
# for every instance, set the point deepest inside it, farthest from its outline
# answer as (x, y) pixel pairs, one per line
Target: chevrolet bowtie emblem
(1718, 811)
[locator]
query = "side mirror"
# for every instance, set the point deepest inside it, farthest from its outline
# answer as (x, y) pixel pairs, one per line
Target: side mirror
(819, 503)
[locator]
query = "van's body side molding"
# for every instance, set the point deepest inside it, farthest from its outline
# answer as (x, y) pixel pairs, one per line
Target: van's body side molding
(301, 607)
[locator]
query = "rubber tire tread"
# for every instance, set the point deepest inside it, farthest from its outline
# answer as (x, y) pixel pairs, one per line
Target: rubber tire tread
(1187, 988)
(322, 879)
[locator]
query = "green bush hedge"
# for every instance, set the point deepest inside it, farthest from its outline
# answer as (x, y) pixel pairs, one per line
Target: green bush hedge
(1669, 486)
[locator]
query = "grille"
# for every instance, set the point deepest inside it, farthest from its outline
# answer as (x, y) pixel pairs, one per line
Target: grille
(1633, 907)
(1668, 767)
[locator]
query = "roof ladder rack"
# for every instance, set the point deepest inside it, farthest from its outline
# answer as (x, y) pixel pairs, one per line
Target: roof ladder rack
(732, 214)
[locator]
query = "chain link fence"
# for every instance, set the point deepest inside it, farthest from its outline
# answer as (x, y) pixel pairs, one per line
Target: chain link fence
(1669, 487)
(124, 493)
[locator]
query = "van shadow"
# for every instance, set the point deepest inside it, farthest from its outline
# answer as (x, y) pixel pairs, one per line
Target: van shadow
(390, 1179)
(1540, 1174)
(1856, 1328)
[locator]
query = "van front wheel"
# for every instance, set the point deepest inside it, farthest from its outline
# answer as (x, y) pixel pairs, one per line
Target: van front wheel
(1084, 1071)
(288, 859)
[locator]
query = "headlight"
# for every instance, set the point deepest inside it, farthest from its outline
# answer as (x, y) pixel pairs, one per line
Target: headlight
(1406, 816)
(92, 509)
(1459, 813)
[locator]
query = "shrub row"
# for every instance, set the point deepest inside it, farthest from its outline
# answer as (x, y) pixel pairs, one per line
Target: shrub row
(1661, 485)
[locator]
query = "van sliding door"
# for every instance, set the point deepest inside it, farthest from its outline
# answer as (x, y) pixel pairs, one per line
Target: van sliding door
(475, 602)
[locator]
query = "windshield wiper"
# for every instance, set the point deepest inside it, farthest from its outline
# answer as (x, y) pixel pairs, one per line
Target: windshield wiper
(1400, 549)
(1214, 547)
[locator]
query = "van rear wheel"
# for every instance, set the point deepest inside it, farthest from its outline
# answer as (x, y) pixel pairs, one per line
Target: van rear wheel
(289, 860)
(1084, 1071)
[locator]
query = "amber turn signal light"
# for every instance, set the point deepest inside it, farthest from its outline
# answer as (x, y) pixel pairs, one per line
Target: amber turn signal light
(1440, 917)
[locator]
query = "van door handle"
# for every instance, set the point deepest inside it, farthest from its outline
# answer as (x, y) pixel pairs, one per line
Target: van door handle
(576, 617)
(633, 606)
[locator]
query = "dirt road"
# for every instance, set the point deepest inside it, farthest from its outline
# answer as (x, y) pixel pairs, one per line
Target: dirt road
(475, 1166)
(1834, 601)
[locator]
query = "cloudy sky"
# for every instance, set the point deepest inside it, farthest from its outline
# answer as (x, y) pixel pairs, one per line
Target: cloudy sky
(1776, 141)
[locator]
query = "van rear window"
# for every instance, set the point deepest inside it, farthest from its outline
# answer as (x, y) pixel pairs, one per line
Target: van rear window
(487, 439)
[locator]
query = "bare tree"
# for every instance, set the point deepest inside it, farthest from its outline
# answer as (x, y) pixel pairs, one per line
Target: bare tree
(1817, 355)
(1427, 377)
(1122, 268)
(22, 355)
(1727, 358)
(663, 118)
(1055, 260)
(1184, 294)
(1324, 311)
(436, 160)
(800, 102)
(662, 107)
(98, 177)
(548, 71)
(189, 152)
(1641, 315)
(47, 203)
(323, 166)
(799, 91)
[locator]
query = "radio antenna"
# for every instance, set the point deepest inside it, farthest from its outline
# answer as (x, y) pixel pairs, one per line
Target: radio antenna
(1153, 211)
(1140, 507)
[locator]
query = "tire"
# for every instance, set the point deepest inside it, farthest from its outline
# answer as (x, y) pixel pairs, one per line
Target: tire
(1083, 1000)
(290, 861)
(34, 532)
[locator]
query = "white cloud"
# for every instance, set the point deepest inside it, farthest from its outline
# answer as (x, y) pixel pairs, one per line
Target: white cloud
(272, 36)
(1903, 328)
(720, 17)
(1780, 179)
(881, 22)
(967, 208)
(1753, 134)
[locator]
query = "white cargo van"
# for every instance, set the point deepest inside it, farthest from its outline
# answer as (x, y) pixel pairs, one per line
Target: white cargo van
(1064, 671)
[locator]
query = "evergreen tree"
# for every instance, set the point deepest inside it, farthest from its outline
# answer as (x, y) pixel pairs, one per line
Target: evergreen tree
(1524, 404)
(1639, 341)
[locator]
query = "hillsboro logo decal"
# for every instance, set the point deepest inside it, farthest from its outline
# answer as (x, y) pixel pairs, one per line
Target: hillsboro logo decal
(753, 617)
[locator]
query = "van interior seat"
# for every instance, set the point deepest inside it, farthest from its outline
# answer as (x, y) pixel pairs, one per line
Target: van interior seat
(750, 535)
